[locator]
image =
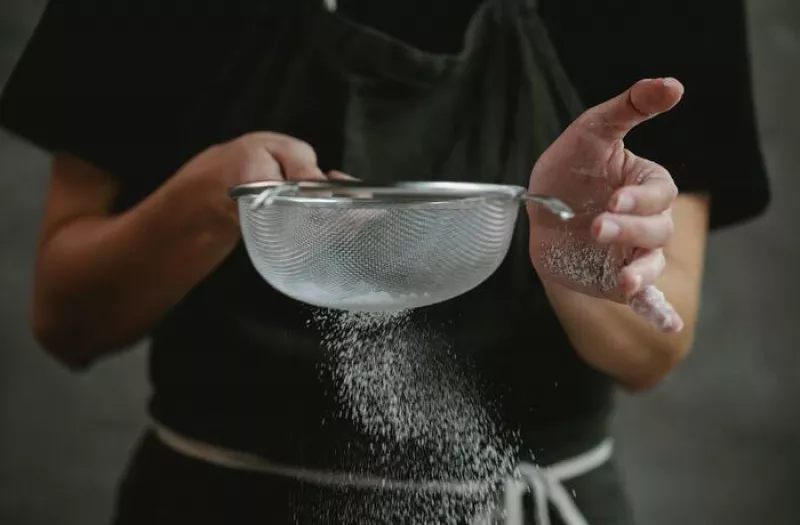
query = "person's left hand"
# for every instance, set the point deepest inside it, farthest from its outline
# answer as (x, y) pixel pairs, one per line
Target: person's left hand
(613, 248)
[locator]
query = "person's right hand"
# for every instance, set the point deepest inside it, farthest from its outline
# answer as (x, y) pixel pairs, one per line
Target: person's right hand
(252, 157)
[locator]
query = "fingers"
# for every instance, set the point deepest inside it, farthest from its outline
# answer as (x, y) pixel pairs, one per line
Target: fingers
(648, 232)
(265, 167)
(297, 159)
(614, 118)
(648, 302)
(642, 272)
(651, 190)
(651, 305)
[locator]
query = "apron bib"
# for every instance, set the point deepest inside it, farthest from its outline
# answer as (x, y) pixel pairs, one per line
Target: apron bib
(485, 115)
(482, 115)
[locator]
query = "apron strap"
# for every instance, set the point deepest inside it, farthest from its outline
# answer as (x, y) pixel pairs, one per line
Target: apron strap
(545, 484)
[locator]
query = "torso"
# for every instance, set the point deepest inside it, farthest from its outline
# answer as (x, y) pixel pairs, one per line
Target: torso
(238, 364)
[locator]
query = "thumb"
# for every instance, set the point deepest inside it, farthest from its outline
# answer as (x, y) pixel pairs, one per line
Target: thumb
(615, 118)
(651, 305)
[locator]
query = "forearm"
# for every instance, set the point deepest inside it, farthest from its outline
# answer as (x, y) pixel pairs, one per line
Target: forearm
(610, 337)
(102, 282)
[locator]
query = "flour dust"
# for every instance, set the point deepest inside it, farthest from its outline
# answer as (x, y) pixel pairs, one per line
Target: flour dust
(423, 413)
(585, 263)
(356, 298)
(651, 305)
(581, 261)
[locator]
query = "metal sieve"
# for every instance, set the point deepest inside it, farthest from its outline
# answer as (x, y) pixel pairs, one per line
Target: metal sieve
(379, 248)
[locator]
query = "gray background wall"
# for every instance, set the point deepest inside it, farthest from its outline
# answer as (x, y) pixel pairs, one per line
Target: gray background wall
(718, 443)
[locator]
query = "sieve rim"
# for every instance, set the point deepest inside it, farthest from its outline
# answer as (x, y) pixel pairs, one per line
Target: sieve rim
(408, 193)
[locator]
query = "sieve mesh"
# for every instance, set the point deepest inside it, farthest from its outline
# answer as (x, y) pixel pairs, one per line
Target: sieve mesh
(378, 256)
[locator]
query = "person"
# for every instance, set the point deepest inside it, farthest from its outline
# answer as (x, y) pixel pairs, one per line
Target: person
(153, 110)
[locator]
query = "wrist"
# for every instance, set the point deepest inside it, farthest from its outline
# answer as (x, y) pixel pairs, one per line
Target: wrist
(205, 209)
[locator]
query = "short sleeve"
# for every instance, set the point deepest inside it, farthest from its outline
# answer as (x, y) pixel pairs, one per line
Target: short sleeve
(80, 85)
(710, 141)
(112, 81)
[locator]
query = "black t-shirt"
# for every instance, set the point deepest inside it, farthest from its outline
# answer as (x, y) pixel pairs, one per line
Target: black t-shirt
(137, 87)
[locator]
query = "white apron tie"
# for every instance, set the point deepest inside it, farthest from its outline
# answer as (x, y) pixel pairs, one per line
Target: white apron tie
(543, 483)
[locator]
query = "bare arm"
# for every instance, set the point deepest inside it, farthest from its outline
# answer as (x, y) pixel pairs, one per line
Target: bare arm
(95, 282)
(103, 280)
(612, 338)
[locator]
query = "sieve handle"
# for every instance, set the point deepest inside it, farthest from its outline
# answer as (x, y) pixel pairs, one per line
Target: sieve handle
(555, 206)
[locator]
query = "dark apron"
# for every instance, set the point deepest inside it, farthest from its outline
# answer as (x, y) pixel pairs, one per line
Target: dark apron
(484, 115)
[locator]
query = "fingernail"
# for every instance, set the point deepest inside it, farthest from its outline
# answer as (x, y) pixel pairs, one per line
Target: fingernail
(340, 175)
(677, 323)
(670, 82)
(624, 203)
(608, 231)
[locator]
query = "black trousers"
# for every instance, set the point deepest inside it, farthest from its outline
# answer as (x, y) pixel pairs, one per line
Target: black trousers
(163, 487)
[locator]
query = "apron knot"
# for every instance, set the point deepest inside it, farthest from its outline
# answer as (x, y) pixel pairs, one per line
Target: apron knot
(545, 486)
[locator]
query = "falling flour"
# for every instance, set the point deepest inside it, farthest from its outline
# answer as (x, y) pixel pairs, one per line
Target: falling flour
(401, 387)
